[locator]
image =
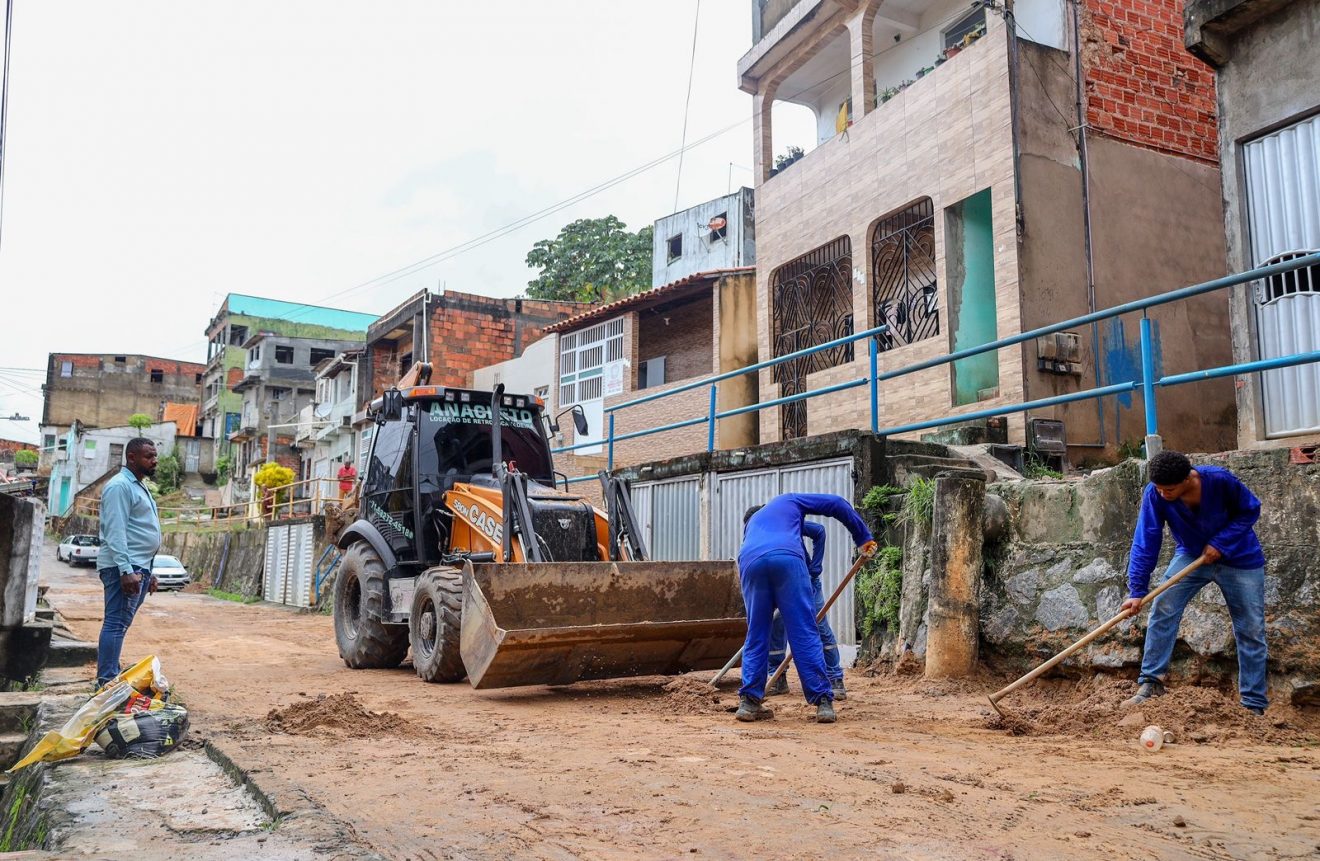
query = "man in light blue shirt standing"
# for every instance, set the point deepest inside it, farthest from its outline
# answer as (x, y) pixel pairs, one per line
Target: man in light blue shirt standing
(130, 537)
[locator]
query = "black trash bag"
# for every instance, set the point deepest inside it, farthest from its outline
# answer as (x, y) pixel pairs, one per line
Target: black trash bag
(144, 734)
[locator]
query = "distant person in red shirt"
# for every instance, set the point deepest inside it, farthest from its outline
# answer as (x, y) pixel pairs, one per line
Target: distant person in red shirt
(347, 476)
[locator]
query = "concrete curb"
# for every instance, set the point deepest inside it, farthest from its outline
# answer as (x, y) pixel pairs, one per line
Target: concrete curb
(287, 805)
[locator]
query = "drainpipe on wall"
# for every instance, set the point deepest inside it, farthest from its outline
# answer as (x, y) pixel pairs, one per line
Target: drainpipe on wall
(1085, 164)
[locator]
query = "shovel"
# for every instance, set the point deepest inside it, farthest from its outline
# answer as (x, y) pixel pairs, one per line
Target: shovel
(1089, 638)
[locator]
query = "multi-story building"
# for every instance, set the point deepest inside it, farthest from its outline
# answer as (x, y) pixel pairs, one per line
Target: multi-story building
(325, 436)
(238, 319)
(1269, 146)
(457, 333)
(717, 234)
(104, 390)
(651, 342)
(85, 455)
(278, 381)
(978, 172)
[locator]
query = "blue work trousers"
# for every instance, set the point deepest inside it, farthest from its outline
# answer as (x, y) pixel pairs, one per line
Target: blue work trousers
(120, 608)
(1244, 593)
(779, 639)
(779, 581)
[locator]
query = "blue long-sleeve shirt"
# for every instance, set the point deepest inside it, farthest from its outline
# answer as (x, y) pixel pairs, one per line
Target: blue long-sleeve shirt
(778, 527)
(1223, 520)
(130, 527)
(816, 559)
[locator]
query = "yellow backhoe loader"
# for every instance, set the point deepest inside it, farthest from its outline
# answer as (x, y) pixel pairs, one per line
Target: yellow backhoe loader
(466, 551)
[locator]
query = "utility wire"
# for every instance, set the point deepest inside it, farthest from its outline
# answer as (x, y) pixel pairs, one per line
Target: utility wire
(687, 105)
(4, 107)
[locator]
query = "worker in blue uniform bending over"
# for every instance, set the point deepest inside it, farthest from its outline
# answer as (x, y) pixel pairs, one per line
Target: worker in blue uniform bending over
(773, 568)
(779, 639)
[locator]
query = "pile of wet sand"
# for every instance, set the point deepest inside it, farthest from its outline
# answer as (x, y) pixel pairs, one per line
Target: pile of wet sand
(693, 695)
(337, 712)
(1094, 709)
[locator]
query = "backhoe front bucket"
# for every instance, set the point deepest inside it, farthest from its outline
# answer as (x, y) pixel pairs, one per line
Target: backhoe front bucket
(553, 623)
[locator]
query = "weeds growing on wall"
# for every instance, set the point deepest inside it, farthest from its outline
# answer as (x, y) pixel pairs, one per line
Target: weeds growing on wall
(919, 504)
(880, 591)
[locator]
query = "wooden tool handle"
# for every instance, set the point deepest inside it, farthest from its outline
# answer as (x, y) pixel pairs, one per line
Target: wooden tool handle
(847, 578)
(1094, 635)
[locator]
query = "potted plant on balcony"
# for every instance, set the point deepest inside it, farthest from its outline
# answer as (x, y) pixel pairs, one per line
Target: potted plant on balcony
(886, 94)
(792, 154)
(924, 71)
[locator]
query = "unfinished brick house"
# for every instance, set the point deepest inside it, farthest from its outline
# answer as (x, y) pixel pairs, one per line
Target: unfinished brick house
(978, 172)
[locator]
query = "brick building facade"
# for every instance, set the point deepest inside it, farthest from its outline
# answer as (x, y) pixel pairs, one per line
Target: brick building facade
(104, 390)
(458, 333)
(968, 184)
(649, 343)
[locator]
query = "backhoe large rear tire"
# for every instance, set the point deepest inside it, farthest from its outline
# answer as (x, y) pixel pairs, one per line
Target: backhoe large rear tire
(434, 625)
(365, 642)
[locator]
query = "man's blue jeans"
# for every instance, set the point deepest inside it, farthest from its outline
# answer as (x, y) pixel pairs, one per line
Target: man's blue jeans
(1244, 593)
(779, 581)
(119, 612)
(779, 640)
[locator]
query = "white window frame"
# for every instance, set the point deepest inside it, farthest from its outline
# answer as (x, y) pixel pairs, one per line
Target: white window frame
(583, 356)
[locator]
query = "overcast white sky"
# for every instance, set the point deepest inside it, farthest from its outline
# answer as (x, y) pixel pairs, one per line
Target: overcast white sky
(163, 154)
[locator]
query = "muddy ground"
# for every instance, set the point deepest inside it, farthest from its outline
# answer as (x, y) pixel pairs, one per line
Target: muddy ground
(658, 768)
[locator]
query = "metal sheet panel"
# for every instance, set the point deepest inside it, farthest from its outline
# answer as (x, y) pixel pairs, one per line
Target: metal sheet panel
(641, 500)
(734, 493)
(273, 580)
(1283, 208)
(673, 519)
(299, 577)
(830, 477)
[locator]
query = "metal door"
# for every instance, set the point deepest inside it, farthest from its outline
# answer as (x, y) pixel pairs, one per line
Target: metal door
(669, 514)
(192, 457)
(273, 582)
(734, 494)
(834, 477)
(1283, 206)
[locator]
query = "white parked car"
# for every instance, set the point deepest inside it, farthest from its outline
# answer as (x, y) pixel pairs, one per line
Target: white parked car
(79, 549)
(169, 573)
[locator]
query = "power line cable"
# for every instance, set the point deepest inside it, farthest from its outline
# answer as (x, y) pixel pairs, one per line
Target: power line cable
(687, 104)
(4, 107)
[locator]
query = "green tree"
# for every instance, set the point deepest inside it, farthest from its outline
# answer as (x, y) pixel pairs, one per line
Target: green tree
(25, 458)
(140, 421)
(591, 260)
(168, 472)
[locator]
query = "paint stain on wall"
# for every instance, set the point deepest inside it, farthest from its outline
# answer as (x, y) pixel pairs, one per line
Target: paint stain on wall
(1121, 358)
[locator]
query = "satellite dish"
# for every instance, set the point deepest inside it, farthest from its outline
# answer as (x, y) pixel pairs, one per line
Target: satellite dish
(719, 222)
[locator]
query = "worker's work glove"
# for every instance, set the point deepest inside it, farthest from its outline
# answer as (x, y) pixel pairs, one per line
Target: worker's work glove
(869, 548)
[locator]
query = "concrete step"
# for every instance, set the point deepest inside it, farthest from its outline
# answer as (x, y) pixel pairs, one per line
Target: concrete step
(18, 710)
(47, 613)
(11, 745)
(70, 653)
(929, 466)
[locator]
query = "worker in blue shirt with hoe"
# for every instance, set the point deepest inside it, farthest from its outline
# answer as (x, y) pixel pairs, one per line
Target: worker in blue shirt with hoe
(1210, 513)
(130, 537)
(772, 566)
(779, 639)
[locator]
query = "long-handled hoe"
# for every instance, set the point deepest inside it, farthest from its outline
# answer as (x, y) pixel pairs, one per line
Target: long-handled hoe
(1089, 638)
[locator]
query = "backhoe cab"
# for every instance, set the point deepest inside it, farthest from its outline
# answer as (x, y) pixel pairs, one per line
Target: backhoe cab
(466, 552)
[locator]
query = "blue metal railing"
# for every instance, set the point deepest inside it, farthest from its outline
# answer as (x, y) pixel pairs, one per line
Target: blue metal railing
(1148, 382)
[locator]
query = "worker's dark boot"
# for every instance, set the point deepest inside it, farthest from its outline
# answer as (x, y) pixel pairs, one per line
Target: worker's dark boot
(751, 710)
(779, 688)
(1145, 691)
(825, 712)
(837, 686)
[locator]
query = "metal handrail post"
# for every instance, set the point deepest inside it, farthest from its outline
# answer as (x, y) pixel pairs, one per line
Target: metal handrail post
(609, 460)
(874, 350)
(1154, 444)
(710, 428)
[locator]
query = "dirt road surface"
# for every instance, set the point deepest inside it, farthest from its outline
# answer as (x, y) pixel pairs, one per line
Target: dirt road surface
(654, 768)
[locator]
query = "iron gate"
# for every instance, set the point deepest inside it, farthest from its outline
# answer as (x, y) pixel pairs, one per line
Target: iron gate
(669, 515)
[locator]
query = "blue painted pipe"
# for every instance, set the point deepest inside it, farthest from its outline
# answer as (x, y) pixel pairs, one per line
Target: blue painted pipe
(874, 350)
(1148, 378)
(1102, 391)
(710, 431)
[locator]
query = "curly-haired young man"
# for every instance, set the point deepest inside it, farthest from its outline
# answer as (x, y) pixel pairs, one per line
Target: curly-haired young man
(1210, 513)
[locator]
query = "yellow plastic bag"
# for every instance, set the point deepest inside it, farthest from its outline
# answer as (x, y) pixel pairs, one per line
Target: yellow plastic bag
(143, 679)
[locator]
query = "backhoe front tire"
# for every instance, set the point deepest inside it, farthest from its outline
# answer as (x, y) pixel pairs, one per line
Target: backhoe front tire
(365, 642)
(434, 625)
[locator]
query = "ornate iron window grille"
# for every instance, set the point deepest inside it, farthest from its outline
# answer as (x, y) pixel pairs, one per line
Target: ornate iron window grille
(904, 290)
(811, 304)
